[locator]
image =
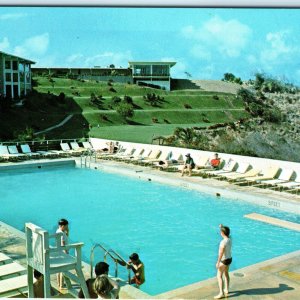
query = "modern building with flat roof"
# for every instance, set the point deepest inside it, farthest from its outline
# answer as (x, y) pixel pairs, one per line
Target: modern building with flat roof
(152, 74)
(155, 74)
(15, 76)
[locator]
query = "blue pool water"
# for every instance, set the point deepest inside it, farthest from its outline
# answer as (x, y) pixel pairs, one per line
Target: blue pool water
(174, 230)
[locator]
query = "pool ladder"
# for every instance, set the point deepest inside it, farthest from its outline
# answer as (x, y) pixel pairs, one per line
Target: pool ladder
(86, 158)
(117, 258)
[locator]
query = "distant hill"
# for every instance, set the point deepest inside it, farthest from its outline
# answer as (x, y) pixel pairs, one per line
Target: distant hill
(206, 85)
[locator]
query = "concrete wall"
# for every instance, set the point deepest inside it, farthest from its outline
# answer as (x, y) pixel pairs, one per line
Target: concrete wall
(255, 162)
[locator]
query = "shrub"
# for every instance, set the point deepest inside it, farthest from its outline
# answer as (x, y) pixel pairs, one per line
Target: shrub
(104, 118)
(125, 110)
(111, 89)
(187, 106)
(128, 99)
(109, 83)
(166, 121)
(116, 100)
(273, 115)
(205, 120)
(154, 120)
(216, 97)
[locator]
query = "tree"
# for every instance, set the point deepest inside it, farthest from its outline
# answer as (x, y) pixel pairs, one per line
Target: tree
(246, 95)
(186, 136)
(229, 77)
(125, 110)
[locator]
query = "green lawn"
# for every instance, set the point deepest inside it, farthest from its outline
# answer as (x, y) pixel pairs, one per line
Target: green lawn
(45, 109)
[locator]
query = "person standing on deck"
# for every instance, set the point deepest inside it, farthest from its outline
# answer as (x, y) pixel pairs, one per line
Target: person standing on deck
(224, 261)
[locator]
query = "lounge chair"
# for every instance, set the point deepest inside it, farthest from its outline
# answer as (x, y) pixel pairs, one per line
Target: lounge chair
(120, 155)
(237, 177)
(52, 259)
(171, 163)
(5, 154)
(76, 147)
(288, 185)
(285, 176)
(164, 155)
(144, 155)
(67, 150)
(26, 150)
(87, 145)
(151, 158)
(242, 169)
(228, 167)
(137, 153)
(269, 173)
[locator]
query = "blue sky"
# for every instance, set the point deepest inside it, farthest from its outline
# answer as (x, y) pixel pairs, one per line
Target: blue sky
(205, 42)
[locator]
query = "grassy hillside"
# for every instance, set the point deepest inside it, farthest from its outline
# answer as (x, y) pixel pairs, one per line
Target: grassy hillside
(179, 108)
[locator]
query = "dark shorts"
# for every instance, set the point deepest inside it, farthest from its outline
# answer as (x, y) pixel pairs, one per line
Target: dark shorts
(227, 261)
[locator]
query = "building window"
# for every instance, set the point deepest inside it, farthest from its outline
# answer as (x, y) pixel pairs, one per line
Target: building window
(8, 77)
(15, 65)
(7, 64)
(15, 77)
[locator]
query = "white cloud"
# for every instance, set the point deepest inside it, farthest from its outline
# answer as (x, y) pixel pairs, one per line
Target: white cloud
(119, 59)
(4, 44)
(200, 52)
(227, 37)
(15, 16)
(33, 46)
(276, 48)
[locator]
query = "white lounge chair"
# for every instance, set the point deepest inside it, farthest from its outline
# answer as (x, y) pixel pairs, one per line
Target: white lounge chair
(144, 155)
(237, 177)
(285, 176)
(228, 167)
(137, 153)
(269, 173)
(289, 185)
(87, 145)
(50, 260)
(175, 160)
(6, 154)
(26, 150)
(242, 169)
(76, 147)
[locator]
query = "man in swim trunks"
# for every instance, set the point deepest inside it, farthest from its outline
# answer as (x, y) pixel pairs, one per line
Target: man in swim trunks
(138, 268)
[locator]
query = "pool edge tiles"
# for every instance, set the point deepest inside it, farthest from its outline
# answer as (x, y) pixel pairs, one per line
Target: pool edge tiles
(34, 164)
(263, 197)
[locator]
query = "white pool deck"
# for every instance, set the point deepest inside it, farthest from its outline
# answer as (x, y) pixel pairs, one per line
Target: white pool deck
(277, 278)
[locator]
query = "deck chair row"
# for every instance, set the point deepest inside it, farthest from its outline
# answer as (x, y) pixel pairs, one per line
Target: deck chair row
(12, 153)
(240, 173)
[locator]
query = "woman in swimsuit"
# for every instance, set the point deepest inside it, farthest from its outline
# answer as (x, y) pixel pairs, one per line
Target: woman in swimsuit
(224, 261)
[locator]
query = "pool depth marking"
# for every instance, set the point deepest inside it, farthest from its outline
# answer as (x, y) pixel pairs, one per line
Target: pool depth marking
(273, 221)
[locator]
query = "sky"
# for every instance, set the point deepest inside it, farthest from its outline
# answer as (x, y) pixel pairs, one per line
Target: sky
(204, 42)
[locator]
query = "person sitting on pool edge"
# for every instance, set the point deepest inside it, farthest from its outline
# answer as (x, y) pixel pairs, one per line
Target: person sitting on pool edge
(215, 162)
(100, 269)
(188, 165)
(138, 268)
(106, 288)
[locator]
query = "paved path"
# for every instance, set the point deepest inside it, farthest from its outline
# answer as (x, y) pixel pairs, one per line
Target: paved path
(63, 122)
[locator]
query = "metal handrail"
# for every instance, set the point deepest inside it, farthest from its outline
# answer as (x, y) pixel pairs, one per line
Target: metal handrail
(117, 259)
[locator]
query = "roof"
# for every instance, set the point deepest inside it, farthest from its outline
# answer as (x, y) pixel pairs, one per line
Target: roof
(20, 58)
(167, 63)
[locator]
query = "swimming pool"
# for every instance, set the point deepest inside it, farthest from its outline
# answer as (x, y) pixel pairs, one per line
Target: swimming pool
(174, 230)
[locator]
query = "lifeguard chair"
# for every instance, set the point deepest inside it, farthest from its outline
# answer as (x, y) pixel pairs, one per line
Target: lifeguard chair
(50, 260)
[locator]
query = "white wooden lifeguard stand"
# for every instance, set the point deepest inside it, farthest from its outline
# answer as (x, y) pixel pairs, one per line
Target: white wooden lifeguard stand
(50, 260)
